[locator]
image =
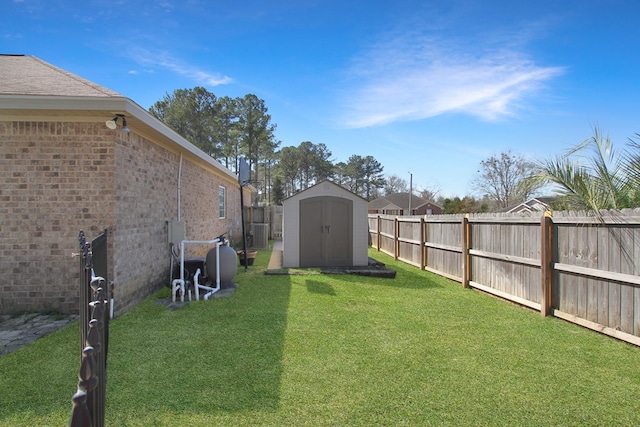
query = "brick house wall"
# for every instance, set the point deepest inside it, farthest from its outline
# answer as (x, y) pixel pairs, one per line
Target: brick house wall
(44, 170)
(59, 177)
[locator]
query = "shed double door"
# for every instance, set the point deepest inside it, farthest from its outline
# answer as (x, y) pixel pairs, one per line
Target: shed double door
(326, 232)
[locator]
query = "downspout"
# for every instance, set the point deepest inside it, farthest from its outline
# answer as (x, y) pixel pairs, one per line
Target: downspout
(179, 184)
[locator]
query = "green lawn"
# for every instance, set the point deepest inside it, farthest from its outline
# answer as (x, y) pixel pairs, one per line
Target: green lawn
(336, 350)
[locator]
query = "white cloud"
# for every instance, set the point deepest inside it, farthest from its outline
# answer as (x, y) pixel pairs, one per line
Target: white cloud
(417, 77)
(166, 61)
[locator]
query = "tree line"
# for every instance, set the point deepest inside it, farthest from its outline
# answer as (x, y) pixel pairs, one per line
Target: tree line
(230, 128)
(592, 175)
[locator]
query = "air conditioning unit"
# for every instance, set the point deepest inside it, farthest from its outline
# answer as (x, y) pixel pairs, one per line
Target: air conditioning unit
(260, 234)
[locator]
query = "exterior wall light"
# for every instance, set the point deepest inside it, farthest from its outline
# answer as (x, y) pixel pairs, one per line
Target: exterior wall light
(113, 123)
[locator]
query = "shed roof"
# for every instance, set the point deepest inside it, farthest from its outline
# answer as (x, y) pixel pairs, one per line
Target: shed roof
(324, 182)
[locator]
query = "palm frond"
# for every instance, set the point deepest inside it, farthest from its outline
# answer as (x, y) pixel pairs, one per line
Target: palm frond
(605, 180)
(631, 156)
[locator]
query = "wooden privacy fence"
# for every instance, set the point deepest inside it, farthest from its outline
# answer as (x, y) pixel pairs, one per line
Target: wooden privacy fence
(572, 265)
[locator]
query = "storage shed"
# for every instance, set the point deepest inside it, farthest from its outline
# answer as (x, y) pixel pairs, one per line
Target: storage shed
(324, 226)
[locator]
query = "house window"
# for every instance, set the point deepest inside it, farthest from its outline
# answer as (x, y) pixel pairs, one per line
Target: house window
(221, 202)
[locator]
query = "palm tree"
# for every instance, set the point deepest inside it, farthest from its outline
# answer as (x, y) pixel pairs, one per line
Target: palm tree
(632, 167)
(603, 180)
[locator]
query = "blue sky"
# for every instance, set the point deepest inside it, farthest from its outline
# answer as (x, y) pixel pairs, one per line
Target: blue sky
(428, 88)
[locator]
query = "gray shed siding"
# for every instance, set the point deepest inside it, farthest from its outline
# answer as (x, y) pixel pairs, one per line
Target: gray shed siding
(291, 223)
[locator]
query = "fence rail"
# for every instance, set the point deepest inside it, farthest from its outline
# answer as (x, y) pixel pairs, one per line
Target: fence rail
(574, 266)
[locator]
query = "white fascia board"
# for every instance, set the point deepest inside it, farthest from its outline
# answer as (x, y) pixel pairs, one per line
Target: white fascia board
(52, 102)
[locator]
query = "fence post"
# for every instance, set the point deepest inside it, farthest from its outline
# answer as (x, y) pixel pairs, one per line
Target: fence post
(396, 238)
(423, 247)
(86, 263)
(89, 400)
(466, 245)
(546, 261)
(378, 232)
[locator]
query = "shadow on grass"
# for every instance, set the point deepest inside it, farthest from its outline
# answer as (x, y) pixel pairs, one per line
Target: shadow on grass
(318, 287)
(409, 276)
(216, 356)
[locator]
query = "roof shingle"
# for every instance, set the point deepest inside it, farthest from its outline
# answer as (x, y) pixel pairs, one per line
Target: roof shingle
(28, 75)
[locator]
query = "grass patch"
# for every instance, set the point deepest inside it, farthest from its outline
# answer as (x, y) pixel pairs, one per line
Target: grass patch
(336, 350)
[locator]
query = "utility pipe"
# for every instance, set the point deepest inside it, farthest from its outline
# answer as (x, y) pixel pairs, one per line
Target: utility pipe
(215, 241)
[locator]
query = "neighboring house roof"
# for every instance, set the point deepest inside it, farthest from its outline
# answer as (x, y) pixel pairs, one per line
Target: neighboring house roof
(402, 200)
(396, 201)
(429, 204)
(382, 203)
(33, 90)
(535, 204)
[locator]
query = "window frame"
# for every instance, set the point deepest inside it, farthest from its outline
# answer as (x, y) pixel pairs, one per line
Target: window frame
(222, 202)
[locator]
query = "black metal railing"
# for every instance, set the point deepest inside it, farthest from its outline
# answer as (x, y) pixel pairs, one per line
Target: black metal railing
(95, 303)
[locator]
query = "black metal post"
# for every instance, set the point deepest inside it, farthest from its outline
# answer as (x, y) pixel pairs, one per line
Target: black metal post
(244, 235)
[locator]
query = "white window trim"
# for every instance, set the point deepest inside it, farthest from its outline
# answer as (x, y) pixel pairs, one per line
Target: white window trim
(222, 202)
